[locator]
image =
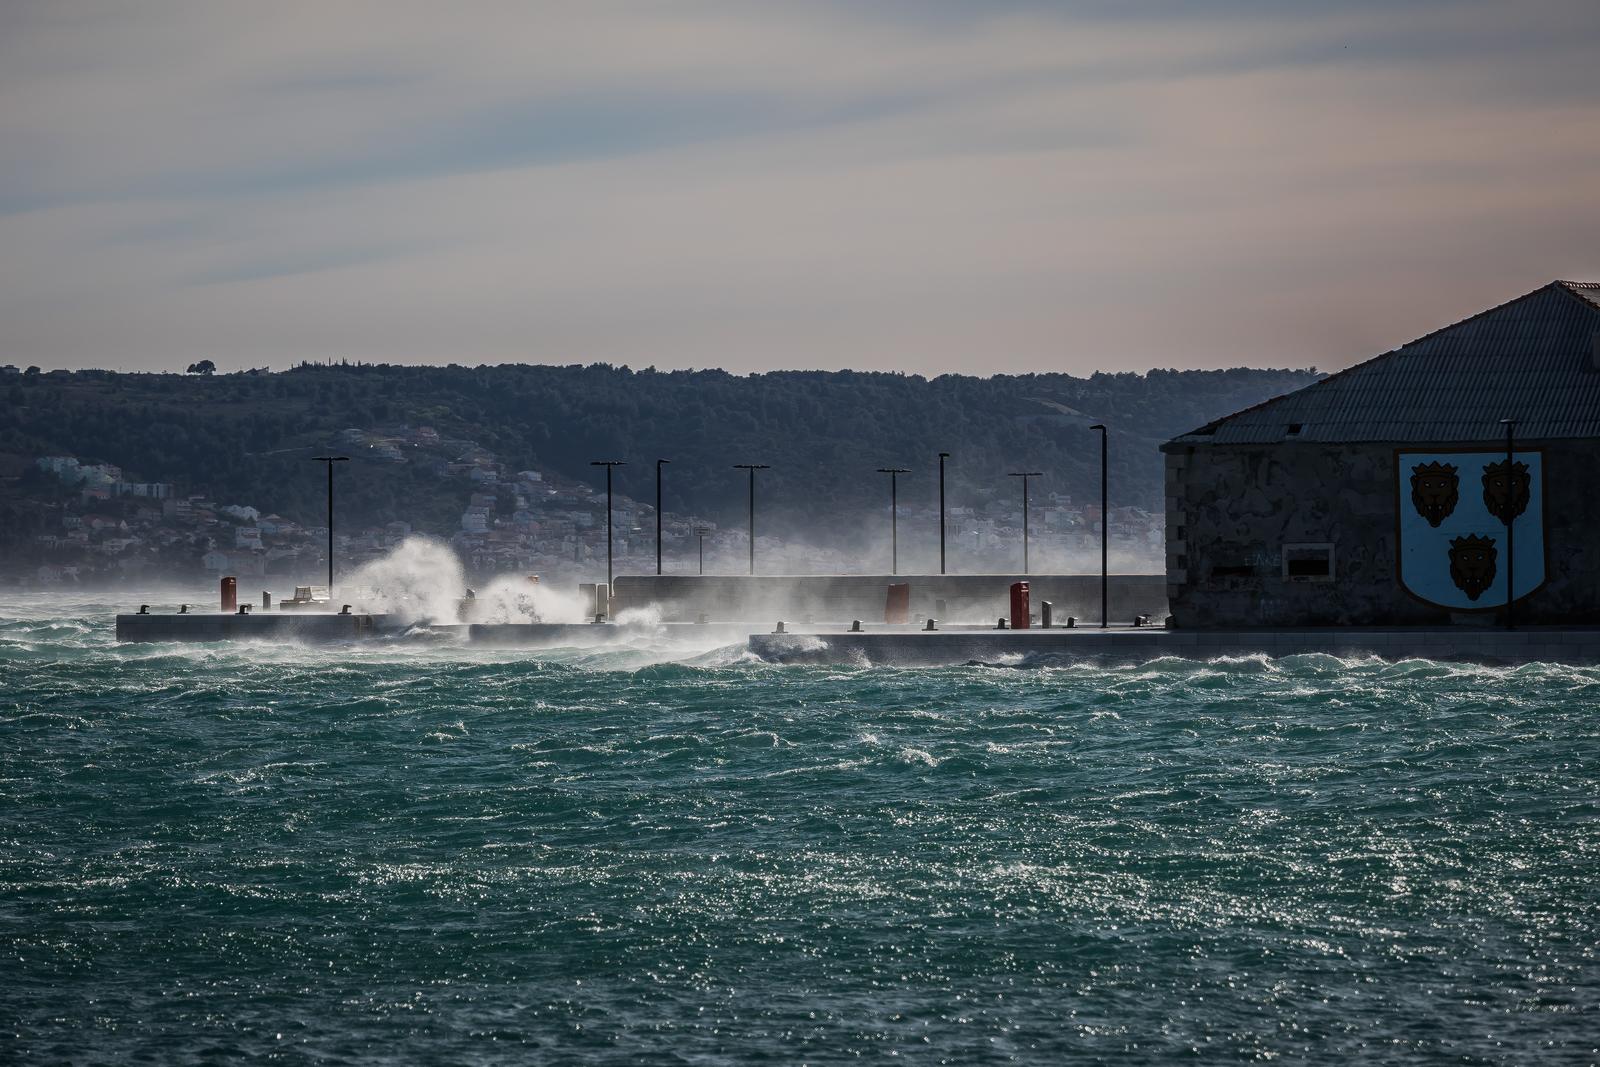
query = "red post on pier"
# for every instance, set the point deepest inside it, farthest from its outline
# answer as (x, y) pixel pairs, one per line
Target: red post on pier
(1019, 605)
(230, 595)
(897, 606)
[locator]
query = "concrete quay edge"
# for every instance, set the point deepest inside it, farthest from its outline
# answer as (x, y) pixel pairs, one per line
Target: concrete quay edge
(1575, 646)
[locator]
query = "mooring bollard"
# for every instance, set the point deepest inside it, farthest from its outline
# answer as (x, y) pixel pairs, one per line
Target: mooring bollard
(930, 625)
(780, 628)
(144, 609)
(244, 609)
(183, 609)
(599, 618)
(1000, 623)
(1141, 620)
(345, 610)
(1072, 622)
(855, 626)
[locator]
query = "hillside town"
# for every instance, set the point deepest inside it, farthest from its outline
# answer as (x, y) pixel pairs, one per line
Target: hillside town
(105, 524)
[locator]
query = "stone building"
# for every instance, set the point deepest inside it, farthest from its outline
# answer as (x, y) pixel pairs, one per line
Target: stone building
(1382, 495)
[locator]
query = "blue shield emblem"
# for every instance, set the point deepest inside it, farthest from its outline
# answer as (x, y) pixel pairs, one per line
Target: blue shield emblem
(1453, 508)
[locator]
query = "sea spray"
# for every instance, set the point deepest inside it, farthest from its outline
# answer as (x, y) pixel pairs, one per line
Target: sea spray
(421, 580)
(512, 598)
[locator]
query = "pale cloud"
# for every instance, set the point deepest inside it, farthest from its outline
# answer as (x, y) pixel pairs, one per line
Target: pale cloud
(920, 187)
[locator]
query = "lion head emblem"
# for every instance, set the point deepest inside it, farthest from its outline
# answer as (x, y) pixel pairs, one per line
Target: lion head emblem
(1472, 564)
(1505, 489)
(1434, 490)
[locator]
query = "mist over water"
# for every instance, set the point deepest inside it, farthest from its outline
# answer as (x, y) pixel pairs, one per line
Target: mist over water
(401, 851)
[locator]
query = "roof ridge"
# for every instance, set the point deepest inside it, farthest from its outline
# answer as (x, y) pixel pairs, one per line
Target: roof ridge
(1211, 427)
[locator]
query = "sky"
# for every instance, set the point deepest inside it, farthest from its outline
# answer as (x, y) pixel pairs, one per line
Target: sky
(927, 187)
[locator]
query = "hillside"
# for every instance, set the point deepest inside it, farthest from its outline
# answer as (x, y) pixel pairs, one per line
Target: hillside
(247, 436)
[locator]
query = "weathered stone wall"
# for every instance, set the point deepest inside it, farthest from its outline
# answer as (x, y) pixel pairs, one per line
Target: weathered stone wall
(1233, 508)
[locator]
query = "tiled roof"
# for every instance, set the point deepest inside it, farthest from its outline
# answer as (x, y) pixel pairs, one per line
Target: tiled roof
(1535, 359)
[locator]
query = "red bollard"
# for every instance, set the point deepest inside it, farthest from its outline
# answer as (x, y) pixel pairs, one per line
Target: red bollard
(897, 606)
(230, 595)
(1019, 605)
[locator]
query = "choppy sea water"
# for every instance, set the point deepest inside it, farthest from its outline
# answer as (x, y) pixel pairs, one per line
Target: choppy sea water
(394, 853)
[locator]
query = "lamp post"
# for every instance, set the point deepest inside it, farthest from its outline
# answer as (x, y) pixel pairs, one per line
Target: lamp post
(330, 461)
(700, 532)
(1105, 522)
(752, 468)
(894, 474)
(608, 464)
(1511, 542)
(1025, 475)
(659, 464)
(942, 457)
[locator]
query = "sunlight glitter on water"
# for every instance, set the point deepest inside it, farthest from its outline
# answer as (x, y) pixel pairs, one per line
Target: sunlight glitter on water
(646, 853)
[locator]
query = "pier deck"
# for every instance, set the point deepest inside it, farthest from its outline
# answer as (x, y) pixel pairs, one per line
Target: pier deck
(1120, 645)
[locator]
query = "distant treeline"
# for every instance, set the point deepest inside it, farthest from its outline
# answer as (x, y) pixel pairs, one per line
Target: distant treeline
(245, 437)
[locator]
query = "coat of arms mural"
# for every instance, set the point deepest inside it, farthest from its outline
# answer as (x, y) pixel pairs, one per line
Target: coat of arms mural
(1453, 510)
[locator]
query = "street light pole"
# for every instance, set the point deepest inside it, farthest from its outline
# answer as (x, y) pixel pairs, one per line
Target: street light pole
(1105, 523)
(700, 532)
(1025, 475)
(942, 457)
(1511, 542)
(330, 461)
(608, 464)
(752, 468)
(659, 464)
(894, 474)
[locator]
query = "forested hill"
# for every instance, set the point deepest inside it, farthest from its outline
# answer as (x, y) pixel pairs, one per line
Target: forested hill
(247, 436)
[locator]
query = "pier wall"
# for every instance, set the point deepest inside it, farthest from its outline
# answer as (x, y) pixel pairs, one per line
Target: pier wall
(289, 626)
(972, 598)
(1578, 647)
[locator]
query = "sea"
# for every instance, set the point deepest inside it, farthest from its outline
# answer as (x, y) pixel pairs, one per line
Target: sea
(410, 852)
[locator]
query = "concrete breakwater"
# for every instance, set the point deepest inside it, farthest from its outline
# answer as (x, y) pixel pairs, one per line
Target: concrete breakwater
(805, 599)
(285, 626)
(1138, 645)
(329, 628)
